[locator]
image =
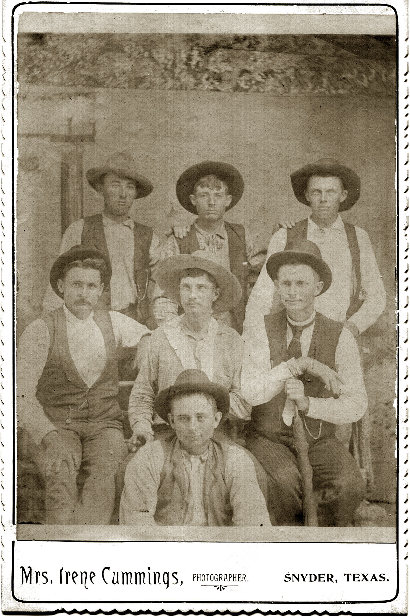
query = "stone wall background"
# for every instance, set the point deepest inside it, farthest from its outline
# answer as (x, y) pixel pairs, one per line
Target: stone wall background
(268, 104)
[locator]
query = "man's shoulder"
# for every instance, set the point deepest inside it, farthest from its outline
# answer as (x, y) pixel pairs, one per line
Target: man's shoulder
(227, 331)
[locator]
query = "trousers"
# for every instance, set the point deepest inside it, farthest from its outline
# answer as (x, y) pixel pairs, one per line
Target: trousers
(88, 495)
(337, 481)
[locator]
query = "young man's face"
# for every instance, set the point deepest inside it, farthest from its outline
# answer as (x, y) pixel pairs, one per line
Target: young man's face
(298, 285)
(81, 289)
(211, 202)
(119, 194)
(194, 418)
(197, 294)
(325, 194)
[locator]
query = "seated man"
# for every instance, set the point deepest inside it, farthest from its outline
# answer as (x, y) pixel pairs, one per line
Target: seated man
(192, 340)
(189, 478)
(301, 358)
(67, 390)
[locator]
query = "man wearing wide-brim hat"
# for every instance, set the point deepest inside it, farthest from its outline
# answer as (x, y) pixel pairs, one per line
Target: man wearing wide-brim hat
(131, 247)
(299, 357)
(67, 385)
(195, 339)
(209, 189)
(191, 477)
(356, 295)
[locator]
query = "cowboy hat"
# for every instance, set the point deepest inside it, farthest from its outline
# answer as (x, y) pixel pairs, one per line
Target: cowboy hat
(77, 253)
(168, 272)
(302, 251)
(224, 171)
(123, 165)
(188, 382)
(327, 167)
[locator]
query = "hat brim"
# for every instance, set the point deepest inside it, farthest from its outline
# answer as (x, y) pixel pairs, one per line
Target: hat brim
(83, 252)
(350, 179)
(167, 275)
(142, 184)
(224, 171)
(162, 404)
(288, 256)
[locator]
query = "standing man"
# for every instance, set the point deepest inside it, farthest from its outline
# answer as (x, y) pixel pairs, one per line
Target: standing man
(209, 189)
(356, 296)
(191, 478)
(67, 386)
(298, 357)
(193, 340)
(132, 248)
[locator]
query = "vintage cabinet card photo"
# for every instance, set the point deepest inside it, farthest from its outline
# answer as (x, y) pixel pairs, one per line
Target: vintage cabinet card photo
(204, 300)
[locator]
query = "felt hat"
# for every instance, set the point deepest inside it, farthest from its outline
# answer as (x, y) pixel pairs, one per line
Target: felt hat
(124, 165)
(302, 251)
(187, 382)
(167, 275)
(77, 253)
(224, 171)
(327, 166)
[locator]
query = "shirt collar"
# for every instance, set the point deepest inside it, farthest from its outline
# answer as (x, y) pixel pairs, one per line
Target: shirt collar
(311, 320)
(197, 335)
(109, 222)
(221, 232)
(338, 225)
(71, 318)
(188, 456)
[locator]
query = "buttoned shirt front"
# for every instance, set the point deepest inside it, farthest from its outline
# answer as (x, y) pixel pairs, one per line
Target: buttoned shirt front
(334, 303)
(119, 237)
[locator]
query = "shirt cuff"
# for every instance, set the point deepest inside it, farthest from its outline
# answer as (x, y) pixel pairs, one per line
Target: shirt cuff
(142, 425)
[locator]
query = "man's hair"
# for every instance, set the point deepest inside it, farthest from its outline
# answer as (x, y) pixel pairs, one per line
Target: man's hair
(210, 399)
(196, 273)
(211, 181)
(296, 261)
(325, 174)
(96, 264)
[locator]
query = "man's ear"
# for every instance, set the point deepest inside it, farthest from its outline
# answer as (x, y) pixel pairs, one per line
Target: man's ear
(218, 417)
(60, 285)
(171, 420)
(319, 287)
(217, 293)
(229, 197)
(344, 195)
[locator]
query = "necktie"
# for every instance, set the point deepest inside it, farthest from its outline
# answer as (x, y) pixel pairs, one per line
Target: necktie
(294, 348)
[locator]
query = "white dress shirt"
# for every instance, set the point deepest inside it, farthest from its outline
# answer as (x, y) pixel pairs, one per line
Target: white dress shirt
(260, 383)
(334, 303)
(120, 244)
(87, 349)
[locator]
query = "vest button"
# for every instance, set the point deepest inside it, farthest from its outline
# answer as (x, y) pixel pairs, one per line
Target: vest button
(68, 420)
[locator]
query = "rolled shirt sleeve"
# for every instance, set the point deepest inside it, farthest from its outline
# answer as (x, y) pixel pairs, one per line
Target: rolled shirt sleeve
(144, 390)
(352, 403)
(372, 287)
(142, 478)
(246, 498)
(259, 382)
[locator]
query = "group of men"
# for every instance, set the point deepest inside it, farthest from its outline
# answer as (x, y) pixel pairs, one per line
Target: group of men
(181, 305)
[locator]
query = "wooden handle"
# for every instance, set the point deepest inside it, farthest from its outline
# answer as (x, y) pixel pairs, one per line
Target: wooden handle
(306, 472)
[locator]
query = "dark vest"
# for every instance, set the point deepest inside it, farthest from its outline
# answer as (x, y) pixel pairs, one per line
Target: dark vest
(62, 392)
(173, 489)
(93, 235)
(267, 418)
(299, 232)
(237, 258)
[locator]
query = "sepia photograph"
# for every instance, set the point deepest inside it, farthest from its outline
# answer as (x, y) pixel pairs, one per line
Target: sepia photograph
(205, 283)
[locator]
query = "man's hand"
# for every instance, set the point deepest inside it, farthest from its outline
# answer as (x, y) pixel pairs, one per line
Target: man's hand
(297, 365)
(295, 391)
(288, 223)
(330, 378)
(57, 454)
(180, 231)
(139, 438)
